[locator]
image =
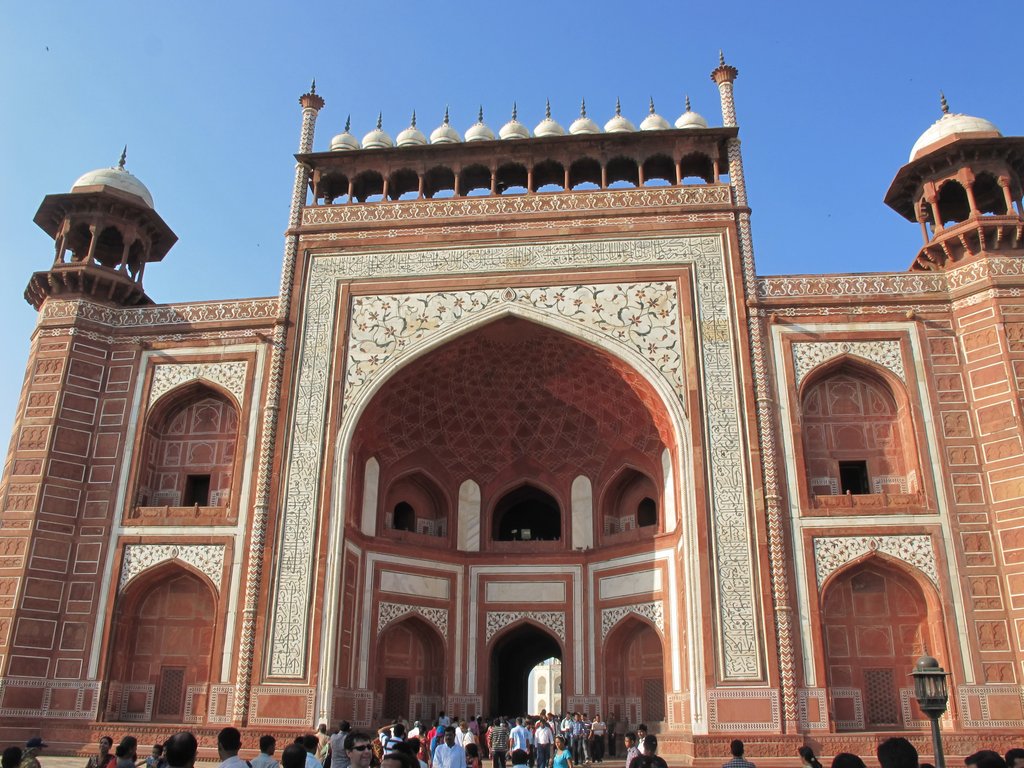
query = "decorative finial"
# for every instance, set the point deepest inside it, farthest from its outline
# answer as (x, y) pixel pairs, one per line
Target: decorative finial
(446, 114)
(480, 115)
(618, 107)
(721, 58)
(312, 87)
(583, 107)
(652, 105)
(413, 123)
(380, 120)
(348, 123)
(547, 109)
(944, 103)
(124, 156)
(688, 103)
(515, 111)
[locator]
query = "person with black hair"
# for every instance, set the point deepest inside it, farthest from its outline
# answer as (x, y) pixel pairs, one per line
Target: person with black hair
(12, 757)
(632, 751)
(738, 761)
(1015, 758)
(897, 752)
(847, 760)
(294, 756)
(265, 759)
(229, 741)
(339, 757)
(180, 750)
(807, 757)
(985, 758)
(127, 752)
(104, 758)
(449, 754)
(650, 757)
(359, 749)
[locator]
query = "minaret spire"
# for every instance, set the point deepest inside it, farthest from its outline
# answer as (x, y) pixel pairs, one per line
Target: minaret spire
(943, 103)
(547, 109)
(124, 156)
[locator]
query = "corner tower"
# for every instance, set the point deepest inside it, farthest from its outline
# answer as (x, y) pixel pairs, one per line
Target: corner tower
(105, 231)
(963, 186)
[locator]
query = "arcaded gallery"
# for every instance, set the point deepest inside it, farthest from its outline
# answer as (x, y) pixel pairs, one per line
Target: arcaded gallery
(522, 399)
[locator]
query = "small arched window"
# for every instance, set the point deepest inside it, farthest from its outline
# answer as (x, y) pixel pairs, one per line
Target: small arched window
(954, 206)
(646, 512)
(404, 517)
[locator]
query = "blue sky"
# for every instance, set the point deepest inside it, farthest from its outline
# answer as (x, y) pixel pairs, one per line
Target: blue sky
(829, 100)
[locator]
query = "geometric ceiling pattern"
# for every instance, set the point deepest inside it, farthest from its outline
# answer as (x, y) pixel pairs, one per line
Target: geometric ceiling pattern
(515, 390)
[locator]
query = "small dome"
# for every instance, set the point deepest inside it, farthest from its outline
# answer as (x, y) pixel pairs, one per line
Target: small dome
(690, 119)
(444, 133)
(116, 177)
(951, 124)
(654, 121)
(411, 136)
(513, 129)
(377, 138)
(479, 131)
(619, 124)
(345, 140)
(583, 124)
(547, 126)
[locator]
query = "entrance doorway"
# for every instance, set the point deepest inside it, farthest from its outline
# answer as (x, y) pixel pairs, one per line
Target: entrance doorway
(513, 657)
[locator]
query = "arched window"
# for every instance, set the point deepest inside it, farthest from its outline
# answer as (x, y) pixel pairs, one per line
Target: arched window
(368, 186)
(189, 454)
(416, 504)
(404, 517)
(629, 503)
(989, 195)
(646, 512)
(954, 206)
(696, 168)
(527, 514)
(858, 438)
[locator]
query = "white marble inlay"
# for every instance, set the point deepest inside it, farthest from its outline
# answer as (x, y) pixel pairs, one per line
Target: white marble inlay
(414, 584)
(524, 592)
(636, 583)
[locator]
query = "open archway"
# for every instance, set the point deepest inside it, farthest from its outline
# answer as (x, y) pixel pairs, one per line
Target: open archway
(513, 656)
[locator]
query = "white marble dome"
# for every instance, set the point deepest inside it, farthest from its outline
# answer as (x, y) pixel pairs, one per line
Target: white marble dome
(654, 121)
(951, 124)
(583, 124)
(479, 131)
(690, 119)
(377, 138)
(116, 177)
(619, 124)
(345, 140)
(547, 126)
(444, 133)
(513, 129)
(411, 136)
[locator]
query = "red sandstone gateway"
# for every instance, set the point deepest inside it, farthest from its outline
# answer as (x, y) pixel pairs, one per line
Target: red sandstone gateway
(523, 401)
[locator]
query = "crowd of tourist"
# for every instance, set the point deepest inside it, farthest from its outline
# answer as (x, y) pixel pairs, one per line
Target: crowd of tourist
(547, 741)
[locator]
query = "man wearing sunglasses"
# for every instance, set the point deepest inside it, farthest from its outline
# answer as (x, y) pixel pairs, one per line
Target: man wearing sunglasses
(359, 750)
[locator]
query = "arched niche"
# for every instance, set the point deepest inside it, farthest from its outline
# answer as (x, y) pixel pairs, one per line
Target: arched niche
(858, 431)
(189, 452)
(630, 506)
(162, 641)
(527, 513)
(954, 205)
(878, 618)
(410, 667)
(415, 503)
(696, 168)
(989, 195)
(634, 671)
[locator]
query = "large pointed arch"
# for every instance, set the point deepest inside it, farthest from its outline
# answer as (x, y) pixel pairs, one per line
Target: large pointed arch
(665, 394)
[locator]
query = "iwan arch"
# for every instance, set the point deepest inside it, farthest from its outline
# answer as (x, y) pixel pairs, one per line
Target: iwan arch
(523, 397)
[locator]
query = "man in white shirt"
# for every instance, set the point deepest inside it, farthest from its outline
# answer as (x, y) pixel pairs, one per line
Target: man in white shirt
(449, 754)
(543, 737)
(518, 737)
(229, 741)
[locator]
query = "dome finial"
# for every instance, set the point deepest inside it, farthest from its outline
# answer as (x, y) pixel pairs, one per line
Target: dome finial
(943, 103)
(124, 156)
(721, 58)
(618, 107)
(348, 123)
(547, 109)
(445, 114)
(515, 111)
(688, 103)
(651, 110)
(413, 121)
(380, 120)
(312, 86)
(480, 114)
(583, 107)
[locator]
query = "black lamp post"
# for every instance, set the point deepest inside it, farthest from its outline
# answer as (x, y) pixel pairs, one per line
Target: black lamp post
(932, 696)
